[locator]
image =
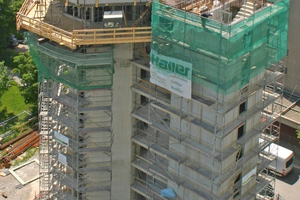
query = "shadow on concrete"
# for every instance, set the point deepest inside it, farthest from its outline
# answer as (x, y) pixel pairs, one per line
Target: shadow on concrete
(292, 177)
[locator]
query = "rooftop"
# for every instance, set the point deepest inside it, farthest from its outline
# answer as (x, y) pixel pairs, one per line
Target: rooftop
(65, 22)
(291, 108)
(225, 11)
(49, 20)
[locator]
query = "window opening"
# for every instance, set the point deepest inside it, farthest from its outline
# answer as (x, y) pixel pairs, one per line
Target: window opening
(242, 107)
(241, 132)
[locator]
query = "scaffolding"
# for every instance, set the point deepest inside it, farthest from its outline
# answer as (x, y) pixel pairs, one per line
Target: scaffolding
(163, 156)
(75, 121)
(236, 50)
(207, 147)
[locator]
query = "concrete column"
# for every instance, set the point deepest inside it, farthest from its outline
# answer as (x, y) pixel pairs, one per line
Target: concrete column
(134, 13)
(92, 14)
(79, 12)
(122, 123)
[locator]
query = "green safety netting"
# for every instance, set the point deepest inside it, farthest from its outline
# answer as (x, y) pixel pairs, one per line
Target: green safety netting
(224, 57)
(77, 70)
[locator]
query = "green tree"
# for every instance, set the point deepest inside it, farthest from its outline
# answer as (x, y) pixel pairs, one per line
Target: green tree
(6, 15)
(8, 11)
(29, 74)
(5, 80)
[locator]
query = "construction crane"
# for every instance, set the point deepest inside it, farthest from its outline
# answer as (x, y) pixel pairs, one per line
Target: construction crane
(142, 15)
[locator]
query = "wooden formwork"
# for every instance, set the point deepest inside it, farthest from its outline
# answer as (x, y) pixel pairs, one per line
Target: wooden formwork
(72, 39)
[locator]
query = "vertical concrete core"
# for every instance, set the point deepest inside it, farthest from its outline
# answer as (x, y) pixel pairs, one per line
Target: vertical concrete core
(122, 126)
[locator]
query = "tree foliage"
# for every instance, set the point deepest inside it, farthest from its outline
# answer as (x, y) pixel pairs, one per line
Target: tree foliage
(5, 80)
(8, 11)
(29, 74)
(6, 24)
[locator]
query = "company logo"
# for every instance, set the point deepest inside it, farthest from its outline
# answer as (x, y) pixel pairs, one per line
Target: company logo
(170, 66)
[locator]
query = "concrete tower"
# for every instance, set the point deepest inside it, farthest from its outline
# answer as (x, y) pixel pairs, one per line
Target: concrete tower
(157, 99)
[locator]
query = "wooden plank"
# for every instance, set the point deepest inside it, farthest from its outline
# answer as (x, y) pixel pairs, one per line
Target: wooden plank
(12, 171)
(17, 177)
(124, 18)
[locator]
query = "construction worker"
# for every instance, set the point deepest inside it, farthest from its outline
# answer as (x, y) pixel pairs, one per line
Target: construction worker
(204, 17)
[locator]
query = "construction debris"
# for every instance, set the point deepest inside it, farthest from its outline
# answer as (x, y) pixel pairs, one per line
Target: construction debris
(4, 195)
(3, 174)
(19, 158)
(17, 146)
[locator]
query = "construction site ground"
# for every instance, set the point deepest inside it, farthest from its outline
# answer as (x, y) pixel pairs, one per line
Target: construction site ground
(14, 189)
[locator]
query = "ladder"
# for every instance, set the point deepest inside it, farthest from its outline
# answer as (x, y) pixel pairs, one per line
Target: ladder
(40, 10)
(44, 134)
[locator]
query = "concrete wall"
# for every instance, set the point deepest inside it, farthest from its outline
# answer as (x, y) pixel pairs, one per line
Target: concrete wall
(208, 93)
(206, 140)
(122, 125)
(246, 169)
(292, 78)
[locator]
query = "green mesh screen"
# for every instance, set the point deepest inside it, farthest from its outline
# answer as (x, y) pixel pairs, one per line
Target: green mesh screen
(224, 57)
(78, 70)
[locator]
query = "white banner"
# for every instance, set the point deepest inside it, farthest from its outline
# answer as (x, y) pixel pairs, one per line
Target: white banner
(172, 74)
(249, 176)
(61, 138)
(62, 159)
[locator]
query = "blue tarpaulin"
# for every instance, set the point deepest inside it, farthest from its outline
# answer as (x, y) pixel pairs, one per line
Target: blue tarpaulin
(168, 192)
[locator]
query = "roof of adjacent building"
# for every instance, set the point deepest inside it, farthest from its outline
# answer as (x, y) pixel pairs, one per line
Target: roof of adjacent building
(292, 104)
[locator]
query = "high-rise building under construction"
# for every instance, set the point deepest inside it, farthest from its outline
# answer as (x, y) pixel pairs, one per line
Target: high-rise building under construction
(169, 99)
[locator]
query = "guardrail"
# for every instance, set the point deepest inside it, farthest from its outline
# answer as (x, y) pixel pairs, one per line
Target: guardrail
(112, 36)
(22, 10)
(80, 37)
(48, 31)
